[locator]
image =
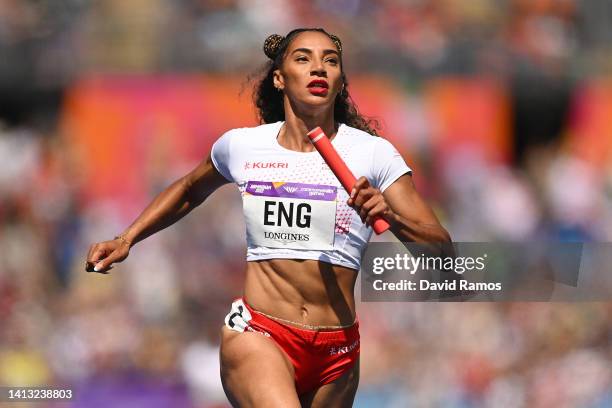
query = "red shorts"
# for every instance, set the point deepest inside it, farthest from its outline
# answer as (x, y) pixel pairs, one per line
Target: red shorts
(318, 357)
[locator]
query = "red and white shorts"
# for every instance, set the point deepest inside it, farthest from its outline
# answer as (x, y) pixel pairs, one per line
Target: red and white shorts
(318, 357)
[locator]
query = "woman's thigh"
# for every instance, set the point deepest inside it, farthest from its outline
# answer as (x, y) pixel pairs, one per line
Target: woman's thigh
(255, 372)
(338, 393)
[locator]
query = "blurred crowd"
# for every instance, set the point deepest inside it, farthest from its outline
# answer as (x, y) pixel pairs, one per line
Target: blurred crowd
(147, 334)
(56, 41)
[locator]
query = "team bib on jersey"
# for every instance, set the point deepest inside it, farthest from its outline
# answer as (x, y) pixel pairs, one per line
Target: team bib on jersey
(290, 215)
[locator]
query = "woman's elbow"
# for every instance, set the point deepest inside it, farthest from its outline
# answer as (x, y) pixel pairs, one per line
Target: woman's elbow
(445, 236)
(439, 235)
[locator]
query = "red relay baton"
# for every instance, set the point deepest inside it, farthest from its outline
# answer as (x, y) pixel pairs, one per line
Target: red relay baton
(321, 142)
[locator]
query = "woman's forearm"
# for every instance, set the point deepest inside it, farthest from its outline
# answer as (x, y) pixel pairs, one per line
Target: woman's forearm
(168, 207)
(430, 239)
(409, 231)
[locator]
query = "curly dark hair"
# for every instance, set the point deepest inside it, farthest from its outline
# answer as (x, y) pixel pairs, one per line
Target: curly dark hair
(269, 101)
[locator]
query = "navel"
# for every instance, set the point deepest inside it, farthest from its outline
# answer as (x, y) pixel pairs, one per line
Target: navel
(304, 311)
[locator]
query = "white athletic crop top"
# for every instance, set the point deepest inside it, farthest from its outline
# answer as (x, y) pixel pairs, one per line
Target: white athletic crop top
(294, 206)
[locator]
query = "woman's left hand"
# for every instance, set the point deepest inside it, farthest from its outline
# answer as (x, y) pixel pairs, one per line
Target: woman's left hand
(368, 202)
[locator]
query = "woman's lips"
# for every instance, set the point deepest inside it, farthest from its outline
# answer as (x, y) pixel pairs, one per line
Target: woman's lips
(318, 87)
(317, 90)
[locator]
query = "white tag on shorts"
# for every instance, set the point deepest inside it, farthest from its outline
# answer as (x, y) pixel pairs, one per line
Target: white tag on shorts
(290, 215)
(239, 316)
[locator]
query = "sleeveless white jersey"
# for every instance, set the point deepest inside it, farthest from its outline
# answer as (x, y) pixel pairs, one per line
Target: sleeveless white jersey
(294, 206)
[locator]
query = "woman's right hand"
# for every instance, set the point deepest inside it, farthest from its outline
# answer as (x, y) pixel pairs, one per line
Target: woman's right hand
(102, 255)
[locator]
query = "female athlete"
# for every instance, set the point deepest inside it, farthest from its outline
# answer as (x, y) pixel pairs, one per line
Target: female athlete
(292, 339)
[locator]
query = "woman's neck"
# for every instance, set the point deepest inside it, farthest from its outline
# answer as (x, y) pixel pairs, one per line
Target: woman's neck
(293, 135)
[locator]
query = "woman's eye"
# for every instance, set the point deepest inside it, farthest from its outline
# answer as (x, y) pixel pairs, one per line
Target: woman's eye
(302, 58)
(332, 61)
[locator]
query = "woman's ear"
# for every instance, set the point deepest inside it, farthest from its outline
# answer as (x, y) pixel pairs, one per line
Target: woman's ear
(278, 80)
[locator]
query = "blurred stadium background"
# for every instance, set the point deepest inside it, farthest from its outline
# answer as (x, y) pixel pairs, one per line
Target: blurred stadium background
(502, 108)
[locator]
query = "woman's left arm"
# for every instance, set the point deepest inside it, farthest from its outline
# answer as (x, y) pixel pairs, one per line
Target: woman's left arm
(411, 219)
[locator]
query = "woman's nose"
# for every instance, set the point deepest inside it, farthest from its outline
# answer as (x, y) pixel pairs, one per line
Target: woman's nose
(318, 67)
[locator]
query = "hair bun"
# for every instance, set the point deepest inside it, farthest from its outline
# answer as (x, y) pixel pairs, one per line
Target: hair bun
(272, 44)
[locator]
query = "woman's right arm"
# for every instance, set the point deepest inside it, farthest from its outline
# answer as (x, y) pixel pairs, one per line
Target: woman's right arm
(168, 207)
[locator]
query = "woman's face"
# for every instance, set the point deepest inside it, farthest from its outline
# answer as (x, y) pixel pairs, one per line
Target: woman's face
(310, 73)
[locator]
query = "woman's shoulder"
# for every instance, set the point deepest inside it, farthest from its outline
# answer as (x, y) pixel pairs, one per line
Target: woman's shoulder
(242, 136)
(358, 136)
(255, 130)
